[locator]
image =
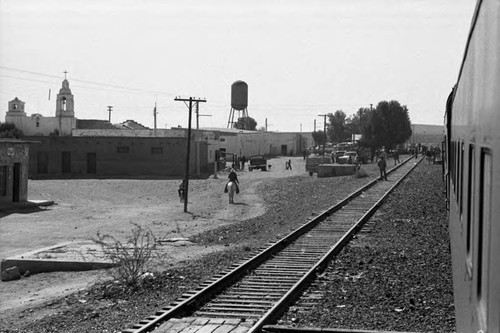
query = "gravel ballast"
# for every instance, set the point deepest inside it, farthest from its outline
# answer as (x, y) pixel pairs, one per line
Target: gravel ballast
(397, 276)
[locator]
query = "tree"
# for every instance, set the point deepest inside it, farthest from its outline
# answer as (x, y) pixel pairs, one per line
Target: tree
(352, 126)
(364, 119)
(336, 127)
(9, 130)
(319, 138)
(246, 123)
(390, 124)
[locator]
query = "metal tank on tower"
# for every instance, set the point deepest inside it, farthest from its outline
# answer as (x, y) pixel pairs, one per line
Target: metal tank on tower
(239, 102)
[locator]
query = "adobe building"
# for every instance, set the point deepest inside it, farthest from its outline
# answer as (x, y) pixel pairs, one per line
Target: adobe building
(14, 163)
(112, 157)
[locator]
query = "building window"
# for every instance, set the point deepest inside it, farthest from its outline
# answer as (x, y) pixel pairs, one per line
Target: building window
(222, 139)
(3, 181)
(63, 103)
(156, 150)
(122, 149)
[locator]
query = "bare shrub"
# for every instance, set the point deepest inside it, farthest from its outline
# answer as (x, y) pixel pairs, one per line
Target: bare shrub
(360, 173)
(133, 257)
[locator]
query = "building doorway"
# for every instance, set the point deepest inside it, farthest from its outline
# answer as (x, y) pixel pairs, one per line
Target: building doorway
(284, 150)
(91, 163)
(16, 182)
(66, 162)
(42, 158)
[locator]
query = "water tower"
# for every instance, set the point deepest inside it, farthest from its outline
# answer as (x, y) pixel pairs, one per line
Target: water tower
(239, 102)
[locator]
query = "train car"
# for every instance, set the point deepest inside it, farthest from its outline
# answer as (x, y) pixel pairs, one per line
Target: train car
(473, 175)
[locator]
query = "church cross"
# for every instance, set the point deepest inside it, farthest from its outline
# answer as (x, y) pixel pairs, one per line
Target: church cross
(65, 72)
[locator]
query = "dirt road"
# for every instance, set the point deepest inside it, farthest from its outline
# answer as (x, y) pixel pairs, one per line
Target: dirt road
(83, 207)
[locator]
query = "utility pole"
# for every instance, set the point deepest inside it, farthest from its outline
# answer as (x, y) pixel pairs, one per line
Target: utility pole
(267, 125)
(190, 106)
(110, 108)
(154, 116)
(324, 131)
(314, 125)
(198, 137)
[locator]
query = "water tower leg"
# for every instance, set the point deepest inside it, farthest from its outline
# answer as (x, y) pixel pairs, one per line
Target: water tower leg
(230, 121)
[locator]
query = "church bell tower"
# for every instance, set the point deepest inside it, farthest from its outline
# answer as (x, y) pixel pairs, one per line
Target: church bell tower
(65, 106)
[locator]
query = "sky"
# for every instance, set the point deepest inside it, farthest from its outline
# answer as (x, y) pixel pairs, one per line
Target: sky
(300, 58)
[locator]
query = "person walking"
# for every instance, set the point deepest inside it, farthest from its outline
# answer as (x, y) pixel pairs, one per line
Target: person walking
(382, 165)
(396, 157)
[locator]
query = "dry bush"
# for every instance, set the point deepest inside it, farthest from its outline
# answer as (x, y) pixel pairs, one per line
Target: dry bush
(360, 173)
(132, 258)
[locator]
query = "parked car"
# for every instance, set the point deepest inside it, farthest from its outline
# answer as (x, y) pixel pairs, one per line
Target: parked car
(257, 162)
(350, 157)
(336, 155)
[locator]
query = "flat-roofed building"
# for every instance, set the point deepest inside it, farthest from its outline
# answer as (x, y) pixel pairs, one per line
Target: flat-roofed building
(14, 162)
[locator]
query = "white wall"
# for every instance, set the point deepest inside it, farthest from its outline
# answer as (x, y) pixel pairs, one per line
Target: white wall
(46, 125)
(170, 133)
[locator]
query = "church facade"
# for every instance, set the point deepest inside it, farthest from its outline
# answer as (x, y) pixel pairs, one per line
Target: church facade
(36, 125)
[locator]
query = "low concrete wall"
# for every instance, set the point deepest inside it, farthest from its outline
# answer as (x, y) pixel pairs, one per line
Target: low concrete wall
(35, 266)
(335, 170)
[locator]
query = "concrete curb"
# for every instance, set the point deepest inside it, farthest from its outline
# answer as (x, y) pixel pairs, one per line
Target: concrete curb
(35, 266)
(28, 262)
(13, 206)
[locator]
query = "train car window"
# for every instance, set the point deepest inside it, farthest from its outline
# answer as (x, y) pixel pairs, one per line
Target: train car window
(461, 179)
(452, 166)
(455, 162)
(483, 232)
(470, 198)
(457, 170)
(470, 195)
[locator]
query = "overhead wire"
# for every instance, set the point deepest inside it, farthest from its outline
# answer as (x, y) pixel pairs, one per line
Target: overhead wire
(155, 92)
(213, 106)
(81, 81)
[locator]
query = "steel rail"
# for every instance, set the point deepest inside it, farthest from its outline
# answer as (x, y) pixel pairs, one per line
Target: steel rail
(297, 289)
(189, 302)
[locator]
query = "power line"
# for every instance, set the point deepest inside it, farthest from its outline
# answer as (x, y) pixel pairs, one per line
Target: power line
(82, 81)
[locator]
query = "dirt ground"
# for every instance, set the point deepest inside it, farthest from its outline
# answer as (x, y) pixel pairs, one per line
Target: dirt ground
(84, 207)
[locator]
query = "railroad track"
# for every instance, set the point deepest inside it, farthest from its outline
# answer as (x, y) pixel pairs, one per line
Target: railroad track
(256, 291)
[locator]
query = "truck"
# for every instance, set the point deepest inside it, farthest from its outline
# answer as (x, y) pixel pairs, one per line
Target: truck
(257, 162)
(312, 162)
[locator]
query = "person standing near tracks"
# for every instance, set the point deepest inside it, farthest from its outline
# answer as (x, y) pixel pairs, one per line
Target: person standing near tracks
(396, 157)
(382, 165)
